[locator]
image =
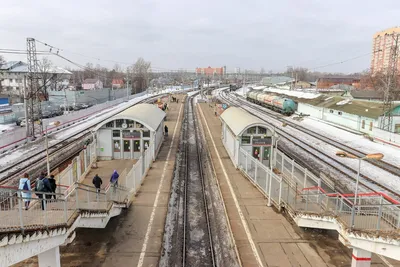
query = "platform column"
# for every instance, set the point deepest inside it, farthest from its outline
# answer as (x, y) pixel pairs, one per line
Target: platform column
(50, 258)
(361, 258)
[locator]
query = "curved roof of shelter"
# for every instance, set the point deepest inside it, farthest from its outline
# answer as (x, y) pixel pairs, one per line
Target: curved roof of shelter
(239, 120)
(147, 114)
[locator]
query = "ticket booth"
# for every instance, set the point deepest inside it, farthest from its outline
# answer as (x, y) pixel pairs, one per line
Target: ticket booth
(261, 147)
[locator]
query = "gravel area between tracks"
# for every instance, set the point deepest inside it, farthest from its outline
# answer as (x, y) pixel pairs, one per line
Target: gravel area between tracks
(197, 237)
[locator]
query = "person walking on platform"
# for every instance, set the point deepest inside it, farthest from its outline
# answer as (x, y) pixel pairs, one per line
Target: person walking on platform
(97, 182)
(25, 185)
(42, 186)
(114, 180)
(53, 185)
(166, 130)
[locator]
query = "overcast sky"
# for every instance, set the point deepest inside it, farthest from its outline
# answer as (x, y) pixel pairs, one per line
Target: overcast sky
(176, 34)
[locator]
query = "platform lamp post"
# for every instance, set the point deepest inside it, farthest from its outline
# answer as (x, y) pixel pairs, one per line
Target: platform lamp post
(54, 123)
(376, 156)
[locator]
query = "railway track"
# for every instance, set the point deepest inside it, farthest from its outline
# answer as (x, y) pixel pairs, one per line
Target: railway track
(369, 183)
(22, 165)
(197, 243)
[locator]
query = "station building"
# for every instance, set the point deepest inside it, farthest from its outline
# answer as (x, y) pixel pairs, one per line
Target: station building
(129, 133)
(240, 129)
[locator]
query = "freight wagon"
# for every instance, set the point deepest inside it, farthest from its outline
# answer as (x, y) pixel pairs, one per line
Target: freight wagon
(283, 105)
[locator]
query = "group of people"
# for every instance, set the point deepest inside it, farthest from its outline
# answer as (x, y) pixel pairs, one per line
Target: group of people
(97, 181)
(174, 99)
(45, 188)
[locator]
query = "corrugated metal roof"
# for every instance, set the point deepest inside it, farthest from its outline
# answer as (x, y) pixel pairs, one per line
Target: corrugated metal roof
(21, 67)
(276, 80)
(147, 114)
(366, 94)
(239, 120)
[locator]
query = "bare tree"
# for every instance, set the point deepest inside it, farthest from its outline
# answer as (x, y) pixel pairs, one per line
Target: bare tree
(47, 78)
(140, 72)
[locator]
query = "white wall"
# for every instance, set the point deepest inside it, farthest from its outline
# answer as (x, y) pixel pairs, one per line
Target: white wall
(351, 121)
(104, 140)
(159, 137)
(315, 112)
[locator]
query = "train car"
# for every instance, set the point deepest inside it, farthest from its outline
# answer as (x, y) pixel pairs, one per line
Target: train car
(283, 105)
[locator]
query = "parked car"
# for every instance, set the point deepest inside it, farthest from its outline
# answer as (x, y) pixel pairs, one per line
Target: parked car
(19, 120)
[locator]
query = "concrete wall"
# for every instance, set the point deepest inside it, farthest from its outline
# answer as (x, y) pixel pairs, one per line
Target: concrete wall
(315, 112)
(86, 97)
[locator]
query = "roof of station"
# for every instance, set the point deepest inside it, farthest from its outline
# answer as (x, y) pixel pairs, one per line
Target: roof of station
(238, 120)
(147, 114)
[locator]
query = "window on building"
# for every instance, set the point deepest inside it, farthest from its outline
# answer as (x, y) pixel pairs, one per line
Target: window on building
(116, 133)
(245, 139)
(136, 145)
(146, 144)
(146, 133)
(138, 125)
(130, 123)
(371, 125)
(262, 130)
(127, 145)
(363, 124)
(340, 113)
(252, 130)
(110, 124)
(118, 123)
(117, 146)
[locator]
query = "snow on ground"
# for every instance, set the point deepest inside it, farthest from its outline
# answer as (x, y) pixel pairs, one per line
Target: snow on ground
(6, 127)
(296, 93)
(192, 93)
(392, 154)
(376, 173)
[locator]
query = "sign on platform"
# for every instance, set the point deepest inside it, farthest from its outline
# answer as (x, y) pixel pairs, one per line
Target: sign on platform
(266, 141)
(130, 135)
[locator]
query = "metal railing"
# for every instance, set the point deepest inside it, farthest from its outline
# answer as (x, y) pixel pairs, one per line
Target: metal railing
(302, 194)
(61, 209)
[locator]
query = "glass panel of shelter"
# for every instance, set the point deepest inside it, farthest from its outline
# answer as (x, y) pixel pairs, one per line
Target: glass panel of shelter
(128, 140)
(261, 153)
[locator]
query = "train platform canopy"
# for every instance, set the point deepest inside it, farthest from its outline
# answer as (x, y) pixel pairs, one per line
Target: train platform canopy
(129, 133)
(241, 130)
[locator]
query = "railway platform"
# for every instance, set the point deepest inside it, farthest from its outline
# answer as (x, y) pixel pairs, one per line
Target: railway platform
(263, 236)
(134, 237)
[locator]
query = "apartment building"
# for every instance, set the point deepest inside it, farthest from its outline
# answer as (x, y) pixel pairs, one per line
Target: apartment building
(382, 49)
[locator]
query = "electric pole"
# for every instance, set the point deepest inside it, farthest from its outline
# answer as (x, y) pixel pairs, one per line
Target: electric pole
(391, 86)
(33, 92)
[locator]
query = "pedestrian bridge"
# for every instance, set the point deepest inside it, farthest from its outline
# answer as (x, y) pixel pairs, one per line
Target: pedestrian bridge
(26, 233)
(369, 225)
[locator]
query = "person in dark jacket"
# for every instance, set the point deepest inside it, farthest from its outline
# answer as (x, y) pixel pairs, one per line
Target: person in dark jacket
(166, 130)
(114, 180)
(42, 186)
(53, 185)
(97, 182)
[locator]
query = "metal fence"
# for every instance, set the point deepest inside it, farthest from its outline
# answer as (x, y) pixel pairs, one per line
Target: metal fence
(292, 187)
(61, 209)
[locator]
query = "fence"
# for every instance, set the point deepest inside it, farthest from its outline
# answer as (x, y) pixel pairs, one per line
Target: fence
(286, 188)
(64, 207)
(19, 134)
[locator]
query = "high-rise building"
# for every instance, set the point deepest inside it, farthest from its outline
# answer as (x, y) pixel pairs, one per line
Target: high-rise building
(382, 49)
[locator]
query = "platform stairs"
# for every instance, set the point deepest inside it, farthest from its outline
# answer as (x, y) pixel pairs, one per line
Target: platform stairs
(37, 231)
(369, 225)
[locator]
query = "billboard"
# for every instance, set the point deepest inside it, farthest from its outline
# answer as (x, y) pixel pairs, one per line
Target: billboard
(5, 105)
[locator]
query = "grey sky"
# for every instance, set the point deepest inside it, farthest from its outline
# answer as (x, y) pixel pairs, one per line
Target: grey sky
(187, 34)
